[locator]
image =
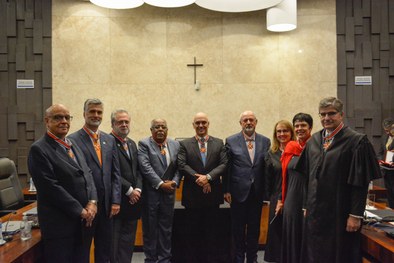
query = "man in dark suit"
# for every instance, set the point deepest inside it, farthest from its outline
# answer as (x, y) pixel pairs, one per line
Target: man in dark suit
(244, 186)
(202, 162)
(387, 168)
(125, 223)
(66, 195)
(101, 155)
(157, 159)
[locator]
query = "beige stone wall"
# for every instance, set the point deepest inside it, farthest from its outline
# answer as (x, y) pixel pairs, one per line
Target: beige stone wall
(136, 59)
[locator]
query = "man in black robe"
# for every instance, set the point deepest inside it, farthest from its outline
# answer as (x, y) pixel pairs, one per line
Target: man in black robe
(339, 163)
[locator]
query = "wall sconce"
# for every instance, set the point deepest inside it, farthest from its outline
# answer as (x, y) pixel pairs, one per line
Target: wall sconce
(282, 17)
(118, 4)
(169, 4)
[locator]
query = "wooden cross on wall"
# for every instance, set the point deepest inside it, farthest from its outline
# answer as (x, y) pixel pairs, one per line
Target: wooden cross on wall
(195, 65)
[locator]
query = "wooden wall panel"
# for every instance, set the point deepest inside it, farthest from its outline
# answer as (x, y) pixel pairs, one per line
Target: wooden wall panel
(25, 53)
(367, 44)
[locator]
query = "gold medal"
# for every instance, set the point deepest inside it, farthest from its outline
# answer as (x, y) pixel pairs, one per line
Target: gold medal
(203, 150)
(250, 145)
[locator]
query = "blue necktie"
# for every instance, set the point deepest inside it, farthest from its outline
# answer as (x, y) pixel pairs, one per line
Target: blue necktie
(203, 150)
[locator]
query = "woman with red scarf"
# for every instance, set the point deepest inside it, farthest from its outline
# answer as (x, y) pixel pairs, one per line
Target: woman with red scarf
(283, 133)
(293, 189)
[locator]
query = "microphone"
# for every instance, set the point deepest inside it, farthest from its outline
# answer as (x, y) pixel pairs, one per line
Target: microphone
(7, 236)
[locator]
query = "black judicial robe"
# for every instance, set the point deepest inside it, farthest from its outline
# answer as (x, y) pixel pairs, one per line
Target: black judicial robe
(274, 184)
(293, 214)
(337, 186)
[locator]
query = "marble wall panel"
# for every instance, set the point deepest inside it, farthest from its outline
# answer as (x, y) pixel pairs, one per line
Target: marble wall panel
(136, 59)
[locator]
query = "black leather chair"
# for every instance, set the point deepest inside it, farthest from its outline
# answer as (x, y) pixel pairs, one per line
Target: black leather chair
(11, 195)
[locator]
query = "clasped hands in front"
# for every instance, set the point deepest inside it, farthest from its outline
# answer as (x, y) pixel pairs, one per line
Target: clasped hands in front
(202, 181)
(168, 186)
(88, 213)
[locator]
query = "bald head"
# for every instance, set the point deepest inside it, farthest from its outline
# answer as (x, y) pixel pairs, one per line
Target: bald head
(57, 120)
(201, 124)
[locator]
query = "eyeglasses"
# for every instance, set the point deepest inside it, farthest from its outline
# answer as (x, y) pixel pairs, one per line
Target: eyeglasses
(59, 118)
(122, 122)
(157, 127)
(246, 120)
(198, 123)
(282, 131)
(329, 114)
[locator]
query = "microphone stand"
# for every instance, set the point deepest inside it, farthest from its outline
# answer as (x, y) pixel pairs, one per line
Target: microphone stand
(8, 237)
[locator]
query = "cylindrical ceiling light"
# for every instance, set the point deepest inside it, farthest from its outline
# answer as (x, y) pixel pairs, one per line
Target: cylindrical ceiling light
(236, 5)
(282, 17)
(169, 3)
(118, 4)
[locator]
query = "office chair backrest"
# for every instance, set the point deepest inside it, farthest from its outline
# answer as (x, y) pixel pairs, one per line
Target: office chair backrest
(11, 195)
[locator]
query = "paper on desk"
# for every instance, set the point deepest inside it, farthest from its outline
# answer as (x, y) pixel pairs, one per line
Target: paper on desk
(12, 226)
(372, 215)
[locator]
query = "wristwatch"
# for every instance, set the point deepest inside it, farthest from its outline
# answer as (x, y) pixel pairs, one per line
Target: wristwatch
(209, 178)
(93, 202)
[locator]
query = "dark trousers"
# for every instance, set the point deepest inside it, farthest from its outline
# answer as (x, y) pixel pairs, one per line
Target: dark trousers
(245, 218)
(101, 232)
(123, 239)
(389, 184)
(65, 250)
(203, 243)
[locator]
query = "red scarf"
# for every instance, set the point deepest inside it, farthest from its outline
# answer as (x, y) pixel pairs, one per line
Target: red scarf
(292, 148)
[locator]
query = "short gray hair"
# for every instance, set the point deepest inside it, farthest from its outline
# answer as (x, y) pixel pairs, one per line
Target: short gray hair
(152, 123)
(331, 101)
(113, 114)
(89, 102)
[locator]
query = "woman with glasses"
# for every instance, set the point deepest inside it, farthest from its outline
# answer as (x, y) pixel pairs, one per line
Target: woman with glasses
(293, 190)
(283, 133)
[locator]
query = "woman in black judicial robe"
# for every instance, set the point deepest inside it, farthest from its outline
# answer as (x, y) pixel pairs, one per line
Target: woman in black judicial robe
(283, 133)
(293, 191)
(293, 214)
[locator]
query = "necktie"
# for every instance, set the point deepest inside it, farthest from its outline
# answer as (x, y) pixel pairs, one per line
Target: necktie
(203, 150)
(126, 148)
(163, 154)
(97, 147)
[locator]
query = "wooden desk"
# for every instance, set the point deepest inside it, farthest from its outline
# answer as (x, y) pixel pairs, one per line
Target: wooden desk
(27, 195)
(19, 251)
(377, 244)
(379, 192)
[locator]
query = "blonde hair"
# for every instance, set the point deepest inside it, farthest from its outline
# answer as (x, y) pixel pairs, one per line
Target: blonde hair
(275, 143)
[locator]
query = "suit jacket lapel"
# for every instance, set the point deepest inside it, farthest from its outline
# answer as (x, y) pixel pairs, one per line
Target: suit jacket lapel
(155, 147)
(196, 149)
(242, 144)
(171, 150)
(211, 146)
(62, 154)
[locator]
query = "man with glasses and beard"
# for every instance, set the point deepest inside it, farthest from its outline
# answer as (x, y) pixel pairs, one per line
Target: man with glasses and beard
(244, 186)
(125, 223)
